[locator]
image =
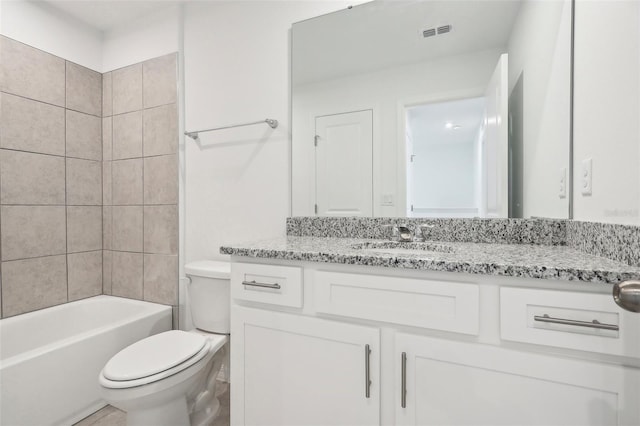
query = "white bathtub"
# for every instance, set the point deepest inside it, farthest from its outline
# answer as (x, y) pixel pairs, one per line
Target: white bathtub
(50, 359)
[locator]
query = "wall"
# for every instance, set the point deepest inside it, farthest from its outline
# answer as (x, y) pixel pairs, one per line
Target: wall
(544, 51)
(140, 169)
(607, 110)
(50, 179)
(237, 70)
(44, 27)
(386, 93)
(154, 35)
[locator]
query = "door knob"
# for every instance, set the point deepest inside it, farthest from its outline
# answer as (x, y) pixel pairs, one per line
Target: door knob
(627, 295)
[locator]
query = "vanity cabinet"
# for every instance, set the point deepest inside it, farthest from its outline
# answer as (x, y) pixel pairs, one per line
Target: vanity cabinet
(458, 383)
(366, 345)
(298, 370)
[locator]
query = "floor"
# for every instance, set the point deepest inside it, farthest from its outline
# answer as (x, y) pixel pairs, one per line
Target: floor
(111, 416)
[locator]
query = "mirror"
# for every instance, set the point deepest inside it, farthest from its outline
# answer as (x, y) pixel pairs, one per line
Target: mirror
(433, 109)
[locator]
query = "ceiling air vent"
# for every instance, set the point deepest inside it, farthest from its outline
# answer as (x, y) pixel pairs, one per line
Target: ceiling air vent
(429, 33)
(444, 29)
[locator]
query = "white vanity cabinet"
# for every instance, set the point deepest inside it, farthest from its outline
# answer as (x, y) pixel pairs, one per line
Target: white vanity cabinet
(365, 345)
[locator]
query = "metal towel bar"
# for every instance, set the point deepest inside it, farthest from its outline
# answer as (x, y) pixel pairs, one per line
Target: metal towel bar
(270, 121)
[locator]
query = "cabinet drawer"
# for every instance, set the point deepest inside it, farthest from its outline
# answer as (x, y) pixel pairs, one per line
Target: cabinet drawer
(439, 305)
(582, 321)
(275, 285)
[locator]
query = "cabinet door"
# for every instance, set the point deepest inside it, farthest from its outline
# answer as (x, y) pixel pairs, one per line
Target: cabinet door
(454, 383)
(295, 370)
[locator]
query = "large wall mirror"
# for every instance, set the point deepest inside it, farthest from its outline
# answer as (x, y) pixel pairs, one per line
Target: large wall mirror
(433, 109)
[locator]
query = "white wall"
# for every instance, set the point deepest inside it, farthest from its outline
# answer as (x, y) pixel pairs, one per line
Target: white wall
(541, 45)
(44, 27)
(607, 109)
(237, 70)
(154, 35)
(386, 92)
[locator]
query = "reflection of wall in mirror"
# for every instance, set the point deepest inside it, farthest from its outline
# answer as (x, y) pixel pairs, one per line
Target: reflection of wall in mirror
(383, 91)
(540, 44)
(607, 110)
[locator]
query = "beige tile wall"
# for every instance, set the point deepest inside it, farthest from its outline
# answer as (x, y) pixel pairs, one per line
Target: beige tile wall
(50, 180)
(140, 181)
(88, 180)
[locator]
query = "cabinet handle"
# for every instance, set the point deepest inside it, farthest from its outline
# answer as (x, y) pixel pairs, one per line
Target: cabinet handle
(265, 285)
(367, 374)
(592, 324)
(403, 386)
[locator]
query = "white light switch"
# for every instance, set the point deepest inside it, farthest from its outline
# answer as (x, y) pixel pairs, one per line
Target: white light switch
(586, 176)
(387, 199)
(562, 193)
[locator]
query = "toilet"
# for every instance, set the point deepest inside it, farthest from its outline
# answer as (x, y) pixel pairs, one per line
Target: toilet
(169, 378)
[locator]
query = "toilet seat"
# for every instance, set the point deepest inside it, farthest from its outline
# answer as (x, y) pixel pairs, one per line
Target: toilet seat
(154, 358)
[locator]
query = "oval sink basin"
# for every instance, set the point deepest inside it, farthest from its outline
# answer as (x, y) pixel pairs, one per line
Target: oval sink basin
(396, 247)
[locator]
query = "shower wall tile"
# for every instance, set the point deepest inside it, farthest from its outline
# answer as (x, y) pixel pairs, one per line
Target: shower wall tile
(160, 130)
(126, 275)
(84, 228)
(107, 139)
(127, 228)
(161, 180)
(31, 178)
(84, 136)
(160, 278)
(127, 89)
(31, 73)
(127, 181)
(127, 135)
(85, 274)
(83, 89)
(33, 284)
(160, 80)
(32, 231)
(161, 229)
(107, 183)
(107, 227)
(107, 268)
(107, 98)
(28, 125)
(84, 182)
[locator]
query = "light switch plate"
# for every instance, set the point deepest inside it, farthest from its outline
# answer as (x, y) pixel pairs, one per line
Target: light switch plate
(586, 178)
(562, 193)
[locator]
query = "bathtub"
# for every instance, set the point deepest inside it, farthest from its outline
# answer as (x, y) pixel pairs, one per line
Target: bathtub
(50, 359)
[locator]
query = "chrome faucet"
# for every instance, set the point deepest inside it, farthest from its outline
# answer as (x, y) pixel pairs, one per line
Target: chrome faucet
(425, 231)
(402, 233)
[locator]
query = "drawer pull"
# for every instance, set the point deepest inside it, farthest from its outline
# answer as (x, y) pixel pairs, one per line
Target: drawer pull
(367, 374)
(592, 324)
(264, 285)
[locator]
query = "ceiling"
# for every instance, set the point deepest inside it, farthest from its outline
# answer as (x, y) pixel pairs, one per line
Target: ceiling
(388, 34)
(104, 15)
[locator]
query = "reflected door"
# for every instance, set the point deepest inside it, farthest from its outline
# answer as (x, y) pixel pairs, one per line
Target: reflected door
(344, 169)
(494, 197)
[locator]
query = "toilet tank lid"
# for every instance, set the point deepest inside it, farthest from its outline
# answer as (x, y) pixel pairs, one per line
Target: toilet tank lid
(209, 269)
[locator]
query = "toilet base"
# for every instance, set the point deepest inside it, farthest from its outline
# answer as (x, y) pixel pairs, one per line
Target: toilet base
(172, 413)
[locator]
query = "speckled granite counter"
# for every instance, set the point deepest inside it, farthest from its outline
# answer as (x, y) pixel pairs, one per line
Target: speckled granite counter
(517, 260)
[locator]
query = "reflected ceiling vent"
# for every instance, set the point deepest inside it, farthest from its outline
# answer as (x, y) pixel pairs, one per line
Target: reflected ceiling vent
(444, 29)
(430, 32)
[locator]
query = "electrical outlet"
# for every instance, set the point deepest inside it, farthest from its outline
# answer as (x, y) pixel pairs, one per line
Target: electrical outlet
(562, 193)
(586, 178)
(387, 199)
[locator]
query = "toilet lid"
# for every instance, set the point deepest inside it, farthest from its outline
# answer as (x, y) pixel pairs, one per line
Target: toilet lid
(153, 355)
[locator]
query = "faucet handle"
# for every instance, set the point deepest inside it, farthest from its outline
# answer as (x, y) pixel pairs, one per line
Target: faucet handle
(404, 233)
(389, 231)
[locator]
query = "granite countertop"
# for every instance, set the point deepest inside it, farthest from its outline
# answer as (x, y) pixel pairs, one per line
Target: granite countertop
(517, 260)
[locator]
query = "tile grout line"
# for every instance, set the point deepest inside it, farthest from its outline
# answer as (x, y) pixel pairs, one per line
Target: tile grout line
(63, 107)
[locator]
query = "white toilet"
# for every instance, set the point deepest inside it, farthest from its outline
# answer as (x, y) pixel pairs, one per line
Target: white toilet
(169, 378)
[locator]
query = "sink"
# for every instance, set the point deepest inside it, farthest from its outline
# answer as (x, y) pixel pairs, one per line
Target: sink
(397, 247)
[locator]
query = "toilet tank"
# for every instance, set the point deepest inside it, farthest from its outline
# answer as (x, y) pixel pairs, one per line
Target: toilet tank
(208, 294)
